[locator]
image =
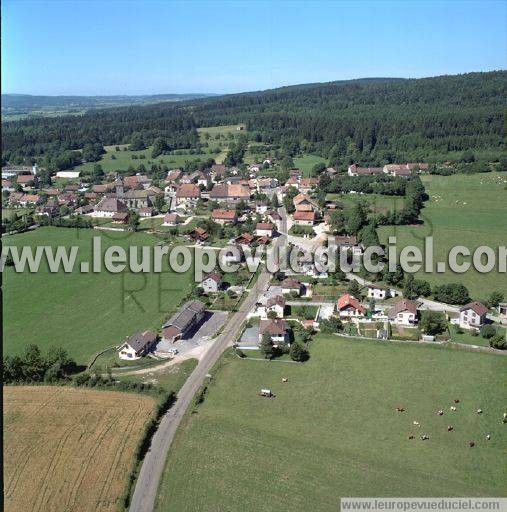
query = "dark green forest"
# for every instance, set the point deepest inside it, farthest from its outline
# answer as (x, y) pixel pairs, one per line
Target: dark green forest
(370, 121)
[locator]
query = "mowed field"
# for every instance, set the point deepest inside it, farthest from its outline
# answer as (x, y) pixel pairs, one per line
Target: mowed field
(468, 210)
(332, 430)
(85, 312)
(69, 449)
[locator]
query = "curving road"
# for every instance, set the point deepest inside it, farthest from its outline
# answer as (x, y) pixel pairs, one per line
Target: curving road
(145, 492)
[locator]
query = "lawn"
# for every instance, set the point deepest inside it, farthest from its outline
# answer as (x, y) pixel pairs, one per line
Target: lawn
(68, 448)
(468, 210)
(467, 338)
(85, 312)
(333, 431)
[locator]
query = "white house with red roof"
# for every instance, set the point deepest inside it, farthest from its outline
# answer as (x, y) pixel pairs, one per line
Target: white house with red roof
(404, 312)
(264, 229)
(348, 306)
(472, 315)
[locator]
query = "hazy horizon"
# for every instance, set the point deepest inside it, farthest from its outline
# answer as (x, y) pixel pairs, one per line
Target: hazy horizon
(99, 49)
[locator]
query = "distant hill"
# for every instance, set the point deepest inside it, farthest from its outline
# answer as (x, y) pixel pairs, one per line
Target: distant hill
(371, 120)
(21, 105)
(30, 101)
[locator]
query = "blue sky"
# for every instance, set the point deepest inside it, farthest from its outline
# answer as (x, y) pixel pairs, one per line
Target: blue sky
(130, 47)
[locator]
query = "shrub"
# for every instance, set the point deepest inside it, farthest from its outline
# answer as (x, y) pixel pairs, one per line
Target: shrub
(488, 331)
(299, 352)
(498, 341)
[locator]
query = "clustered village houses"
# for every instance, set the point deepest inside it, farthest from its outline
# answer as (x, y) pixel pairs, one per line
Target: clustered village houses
(237, 200)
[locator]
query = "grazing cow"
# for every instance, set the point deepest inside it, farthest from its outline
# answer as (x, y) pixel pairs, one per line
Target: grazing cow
(505, 417)
(424, 437)
(411, 436)
(471, 444)
(479, 411)
(400, 409)
(440, 412)
(453, 408)
(450, 428)
(488, 437)
(285, 379)
(416, 423)
(456, 401)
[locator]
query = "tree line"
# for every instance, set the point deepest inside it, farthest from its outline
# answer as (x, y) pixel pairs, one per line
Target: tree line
(369, 121)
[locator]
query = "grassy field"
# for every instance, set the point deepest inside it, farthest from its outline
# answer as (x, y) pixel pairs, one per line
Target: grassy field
(469, 210)
(68, 448)
(123, 159)
(85, 312)
(218, 139)
(306, 163)
(170, 378)
(376, 202)
(333, 431)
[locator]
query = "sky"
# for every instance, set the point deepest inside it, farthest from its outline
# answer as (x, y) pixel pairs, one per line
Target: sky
(98, 47)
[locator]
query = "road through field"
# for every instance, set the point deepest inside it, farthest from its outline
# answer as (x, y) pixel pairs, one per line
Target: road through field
(145, 492)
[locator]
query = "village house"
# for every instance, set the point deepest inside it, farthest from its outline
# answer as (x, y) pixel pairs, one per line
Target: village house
(472, 315)
(120, 217)
(354, 170)
(171, 219)
(187, 194)
(27, 181)
(244, 239)
(199, 235)
(348, 306)
(303, 203)
(277, 330)
(222, 217)
(349, 243)
(108, 206)
(404, 170)
(29, 199)
(173, 175)
(306, 184)
(217, 172)
(404, 312)
(211, 283)
(293, 181)
(203, 179)
(70, 175)
(264, 229)
(304, 218)
(84, 210)
(291, 285)
(184, 321)
(137, 345)
(275, 304)
(380, 292)
(146, 212)
(230, 193)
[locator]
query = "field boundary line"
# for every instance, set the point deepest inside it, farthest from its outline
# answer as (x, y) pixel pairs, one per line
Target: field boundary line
(451, 344)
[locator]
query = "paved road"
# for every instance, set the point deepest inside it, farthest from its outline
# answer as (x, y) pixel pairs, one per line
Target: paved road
(145, 492)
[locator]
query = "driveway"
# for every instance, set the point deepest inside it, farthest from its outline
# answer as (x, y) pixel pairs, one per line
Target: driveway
(202, 335)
